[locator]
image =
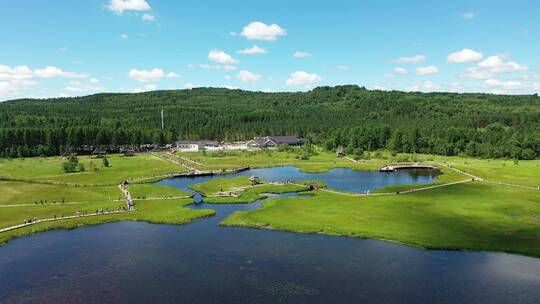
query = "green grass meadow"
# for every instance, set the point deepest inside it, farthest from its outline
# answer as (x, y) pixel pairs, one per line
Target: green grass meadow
(469, 216)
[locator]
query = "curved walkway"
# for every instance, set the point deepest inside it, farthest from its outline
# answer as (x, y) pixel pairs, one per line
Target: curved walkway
(396, 193)
(60, 218)
(475, 177)
(130, 206)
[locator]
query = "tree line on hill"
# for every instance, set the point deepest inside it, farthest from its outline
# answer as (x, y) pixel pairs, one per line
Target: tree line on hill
(479, 125)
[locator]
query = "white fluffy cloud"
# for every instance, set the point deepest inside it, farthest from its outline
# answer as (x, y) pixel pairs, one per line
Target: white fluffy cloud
(496, 64)
(172, 75)
(300, 54)
(427, 86)
(467, 15)
(119, 6)
(146, 88)
(252, 51)
(150, 75)
(76, 86)
(221, 57)
(464, 56)
(301, 78)
(400, 71)
(504, 85)
(260, 31)
(148, 17)
(427, 70)
(52, 71)
(6, 89)
(247, 76)
(492, 66)
(14, 79)
(12, 87)
(74, 89)
(411, 59)
(226, 67)
(146, 75)
(18, 72)
(24, 72)
(496, 86)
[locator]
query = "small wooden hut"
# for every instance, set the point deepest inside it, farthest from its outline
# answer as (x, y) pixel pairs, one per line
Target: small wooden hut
(313, 186)
(340, 152)
(99, 153)
(255, 180)
(127, 152)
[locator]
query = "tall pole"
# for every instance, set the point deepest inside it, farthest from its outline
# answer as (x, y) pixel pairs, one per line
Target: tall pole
(162, 124)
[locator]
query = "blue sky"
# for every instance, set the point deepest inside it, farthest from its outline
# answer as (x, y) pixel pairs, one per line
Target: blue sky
(71, 48)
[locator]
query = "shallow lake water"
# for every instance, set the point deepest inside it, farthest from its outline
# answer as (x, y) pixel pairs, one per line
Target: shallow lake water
(131, 262)
(343, 179)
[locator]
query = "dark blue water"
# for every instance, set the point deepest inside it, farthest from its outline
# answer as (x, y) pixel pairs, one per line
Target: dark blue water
(130, 262)
(343, 179)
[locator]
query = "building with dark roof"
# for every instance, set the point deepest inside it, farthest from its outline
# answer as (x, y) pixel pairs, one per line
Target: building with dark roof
(274, 141)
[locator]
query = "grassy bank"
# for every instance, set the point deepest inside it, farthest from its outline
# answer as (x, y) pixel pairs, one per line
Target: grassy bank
(322, 162)
(221, 184)
(142, 191)
(245, 193)
(471, 216)
(29, 193)
(159, 212)
(50, 169)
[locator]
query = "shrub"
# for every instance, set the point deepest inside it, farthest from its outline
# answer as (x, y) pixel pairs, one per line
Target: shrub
(69, 167)
(283, 147)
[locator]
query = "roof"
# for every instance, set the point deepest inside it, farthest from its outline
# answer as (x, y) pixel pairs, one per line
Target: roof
(260, 141)
(277, 140)
(286, 139)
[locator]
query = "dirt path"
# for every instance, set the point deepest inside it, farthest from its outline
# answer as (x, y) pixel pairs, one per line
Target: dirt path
(353, 160)
(190, 168)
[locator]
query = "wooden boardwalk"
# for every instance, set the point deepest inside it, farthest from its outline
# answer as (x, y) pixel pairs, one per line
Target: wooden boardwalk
(195, 171)
(59, 218)
(394, 168)
(127, 196)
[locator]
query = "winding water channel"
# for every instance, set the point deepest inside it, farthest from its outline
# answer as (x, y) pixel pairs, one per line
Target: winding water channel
(135, 262)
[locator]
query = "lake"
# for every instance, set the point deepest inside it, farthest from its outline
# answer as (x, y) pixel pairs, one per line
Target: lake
(130, 262)
(342, 179)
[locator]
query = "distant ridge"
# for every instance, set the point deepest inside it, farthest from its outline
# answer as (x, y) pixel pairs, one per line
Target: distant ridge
(475, 124)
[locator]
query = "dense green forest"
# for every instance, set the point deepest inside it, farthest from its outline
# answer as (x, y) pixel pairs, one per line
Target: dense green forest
(481, 125)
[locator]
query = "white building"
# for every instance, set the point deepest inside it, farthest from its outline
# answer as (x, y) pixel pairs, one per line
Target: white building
(196, 145)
